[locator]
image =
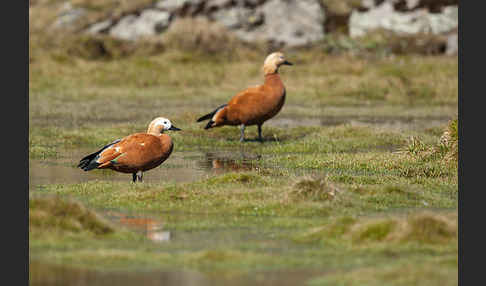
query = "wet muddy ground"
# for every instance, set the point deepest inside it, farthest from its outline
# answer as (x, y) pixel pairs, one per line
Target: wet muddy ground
(70, 276)
(154, 227)
(184, 167)
(191, 166)
(181, 167)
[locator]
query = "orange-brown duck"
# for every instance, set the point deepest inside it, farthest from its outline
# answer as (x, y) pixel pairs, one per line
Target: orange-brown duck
(254, 105)
(135, 153)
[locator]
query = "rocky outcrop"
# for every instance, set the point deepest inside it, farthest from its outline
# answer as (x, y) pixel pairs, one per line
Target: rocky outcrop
(384, 16)
(149, 23)
(284, 22)
(68, 16)
(281, 22)
(291, 23)
(408, 17)
(452, 45)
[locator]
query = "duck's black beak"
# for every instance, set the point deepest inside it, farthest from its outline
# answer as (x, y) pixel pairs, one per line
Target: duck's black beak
(173, 128)
(287, 63)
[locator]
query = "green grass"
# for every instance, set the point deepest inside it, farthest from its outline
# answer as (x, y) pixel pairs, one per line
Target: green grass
(356, 180)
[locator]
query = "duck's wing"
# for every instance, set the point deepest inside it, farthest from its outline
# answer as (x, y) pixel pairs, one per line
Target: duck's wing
(134, 150)
(246, 96)
(89, 162)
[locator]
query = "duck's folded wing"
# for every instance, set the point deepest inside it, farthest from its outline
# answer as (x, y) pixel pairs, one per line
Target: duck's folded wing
(90, 161)
(129, 151)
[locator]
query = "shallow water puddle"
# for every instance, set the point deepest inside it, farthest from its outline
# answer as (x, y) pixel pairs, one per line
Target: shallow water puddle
(180, 167)
(152, 228)
(48, 274)
(221, 162)
(202, 232)
(231, 229)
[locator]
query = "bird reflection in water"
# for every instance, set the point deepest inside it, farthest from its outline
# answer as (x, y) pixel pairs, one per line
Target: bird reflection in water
(151, 228)
(222, 163)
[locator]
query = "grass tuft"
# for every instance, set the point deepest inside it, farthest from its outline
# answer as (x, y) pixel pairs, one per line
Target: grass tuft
(334, 230)
(430, 228)
(375, 231)
(447, 147)
(415, 146)
(55, 214)
(314, 188)
(449, 142)
(422, 228)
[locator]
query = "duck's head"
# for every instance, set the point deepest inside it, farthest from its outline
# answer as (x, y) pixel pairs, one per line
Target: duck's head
(159, 125)
(273, 62)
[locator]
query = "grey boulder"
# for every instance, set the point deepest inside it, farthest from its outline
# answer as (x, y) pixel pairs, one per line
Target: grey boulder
(149, 23)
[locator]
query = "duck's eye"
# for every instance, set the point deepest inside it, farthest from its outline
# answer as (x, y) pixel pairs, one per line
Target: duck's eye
(165, 122)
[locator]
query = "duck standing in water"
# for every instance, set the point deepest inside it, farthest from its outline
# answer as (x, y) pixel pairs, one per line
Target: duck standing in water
(254, 105)
(135, 153)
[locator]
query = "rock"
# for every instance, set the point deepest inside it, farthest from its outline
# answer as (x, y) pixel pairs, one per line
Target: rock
(452, 47)
(411, 4)
(433, 6)
(386, 17)
(171, 5)
(100, 27)
(181, 7)
(287, 22)
(368, 4)
(445, 21)
(68, 16)
(238, 18)
(213, 5)
(250, 3)
(149, 23)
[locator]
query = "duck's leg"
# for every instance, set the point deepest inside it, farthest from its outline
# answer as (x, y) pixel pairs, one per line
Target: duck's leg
(134, 177)
(260, 133)
(140, 176)
(242, 136)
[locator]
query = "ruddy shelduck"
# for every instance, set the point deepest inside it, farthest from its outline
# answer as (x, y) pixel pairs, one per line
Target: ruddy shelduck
(254, 105)
(135, 153)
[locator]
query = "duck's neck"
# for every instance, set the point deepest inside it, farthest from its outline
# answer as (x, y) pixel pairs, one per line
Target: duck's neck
(270, 68)
(273, 79)
(156, 131)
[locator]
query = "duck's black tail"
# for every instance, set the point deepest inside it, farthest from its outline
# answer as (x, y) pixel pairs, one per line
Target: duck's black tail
(89, 161)
(210, 116)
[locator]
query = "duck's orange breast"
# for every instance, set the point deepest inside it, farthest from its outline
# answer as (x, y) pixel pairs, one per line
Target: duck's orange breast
(137, 152)
(258, 104)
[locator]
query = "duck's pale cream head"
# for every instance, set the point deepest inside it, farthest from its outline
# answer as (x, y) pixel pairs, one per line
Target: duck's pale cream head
(273, 62)
(159, 125)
